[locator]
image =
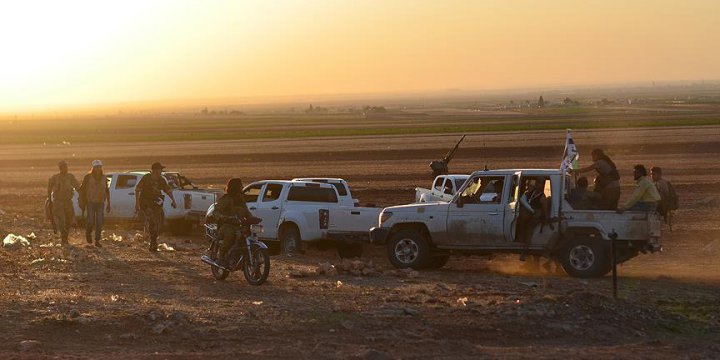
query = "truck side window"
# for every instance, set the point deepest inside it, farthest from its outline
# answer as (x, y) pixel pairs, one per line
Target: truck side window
(251, 193)
(312, 194)
(126, 182)
(272, 192)
(438, 183)
(448, 187)
(341, 189)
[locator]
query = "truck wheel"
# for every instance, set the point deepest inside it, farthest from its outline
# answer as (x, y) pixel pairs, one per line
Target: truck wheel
(350, 250)
(290, 239)
(408, 249)
(180, 227)
(586, 258)
(438, 261)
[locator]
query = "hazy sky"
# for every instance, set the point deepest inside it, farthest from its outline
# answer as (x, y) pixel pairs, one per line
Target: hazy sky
(57, 53)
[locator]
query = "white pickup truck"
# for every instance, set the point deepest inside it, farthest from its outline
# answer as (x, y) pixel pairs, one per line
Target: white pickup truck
(443, 189)
(192, 202)
(482, 219)
(296, 212)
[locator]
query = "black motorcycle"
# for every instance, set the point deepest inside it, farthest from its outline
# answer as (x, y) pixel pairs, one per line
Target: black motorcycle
(250, 255)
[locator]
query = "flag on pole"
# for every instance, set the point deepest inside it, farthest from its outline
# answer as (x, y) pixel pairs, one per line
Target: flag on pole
(571, 155)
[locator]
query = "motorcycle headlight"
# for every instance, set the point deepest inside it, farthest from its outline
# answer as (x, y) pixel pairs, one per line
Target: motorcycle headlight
(385, 216)
(256, 229)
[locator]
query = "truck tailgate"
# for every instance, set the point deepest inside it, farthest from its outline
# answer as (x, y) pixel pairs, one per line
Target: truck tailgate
(630, 225)
(353, 219)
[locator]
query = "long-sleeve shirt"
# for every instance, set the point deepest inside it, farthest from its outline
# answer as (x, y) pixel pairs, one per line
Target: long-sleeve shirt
(62, 186)
(645, 191)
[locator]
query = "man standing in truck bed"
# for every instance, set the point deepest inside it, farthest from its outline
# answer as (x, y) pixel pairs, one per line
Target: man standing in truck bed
(61, 188)
(149, 201)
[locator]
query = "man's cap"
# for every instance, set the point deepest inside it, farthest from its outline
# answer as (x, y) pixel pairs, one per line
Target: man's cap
(62, 162)
(96, 163)
(157, 165)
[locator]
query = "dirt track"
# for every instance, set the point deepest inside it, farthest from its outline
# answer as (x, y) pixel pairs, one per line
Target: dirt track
(122, 301)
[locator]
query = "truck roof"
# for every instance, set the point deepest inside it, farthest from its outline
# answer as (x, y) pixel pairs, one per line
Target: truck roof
(319, 179)
(293, 182)
(546, 172)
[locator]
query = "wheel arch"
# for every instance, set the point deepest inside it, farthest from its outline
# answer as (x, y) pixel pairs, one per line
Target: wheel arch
(417, 226)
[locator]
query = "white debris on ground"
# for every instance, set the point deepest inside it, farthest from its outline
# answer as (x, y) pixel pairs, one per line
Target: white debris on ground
(138, 237)
(13, 241)
(165, 247)
(114, 237)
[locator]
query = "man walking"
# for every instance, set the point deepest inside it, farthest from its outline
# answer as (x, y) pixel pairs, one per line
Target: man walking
(149, 201)
(61, 188)
(94, 193)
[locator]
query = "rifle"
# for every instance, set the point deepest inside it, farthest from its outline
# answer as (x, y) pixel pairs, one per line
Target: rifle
(49, 214)
(440, 167)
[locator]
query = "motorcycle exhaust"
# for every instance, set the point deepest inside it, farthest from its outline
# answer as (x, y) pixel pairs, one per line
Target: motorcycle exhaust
(206, 259)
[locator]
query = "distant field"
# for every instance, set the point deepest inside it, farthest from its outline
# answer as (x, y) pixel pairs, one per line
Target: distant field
(292, 125)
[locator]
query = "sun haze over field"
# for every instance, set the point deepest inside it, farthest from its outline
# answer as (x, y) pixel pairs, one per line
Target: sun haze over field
(58, 54)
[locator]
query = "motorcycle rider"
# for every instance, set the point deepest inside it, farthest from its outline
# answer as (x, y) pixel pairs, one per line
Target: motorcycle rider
(230, 211)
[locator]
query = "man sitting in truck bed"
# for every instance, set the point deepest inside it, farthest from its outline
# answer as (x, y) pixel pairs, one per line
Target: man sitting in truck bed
(645, 196)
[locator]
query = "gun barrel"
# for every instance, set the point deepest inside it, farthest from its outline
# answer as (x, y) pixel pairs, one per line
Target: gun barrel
(452, 151)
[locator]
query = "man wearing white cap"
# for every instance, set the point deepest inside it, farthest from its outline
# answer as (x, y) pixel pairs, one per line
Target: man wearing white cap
(94, 193)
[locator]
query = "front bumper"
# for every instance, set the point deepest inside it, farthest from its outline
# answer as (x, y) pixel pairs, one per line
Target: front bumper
(378, 235)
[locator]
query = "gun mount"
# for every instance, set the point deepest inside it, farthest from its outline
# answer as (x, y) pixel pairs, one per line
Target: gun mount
(440, 167)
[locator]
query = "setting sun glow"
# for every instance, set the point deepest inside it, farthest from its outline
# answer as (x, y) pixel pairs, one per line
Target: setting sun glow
(58, 54)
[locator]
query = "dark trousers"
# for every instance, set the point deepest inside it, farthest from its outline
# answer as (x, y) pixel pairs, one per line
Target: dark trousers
(153, 220)
(609, 198)
(64, 214)
(228, 235)
(95, 219)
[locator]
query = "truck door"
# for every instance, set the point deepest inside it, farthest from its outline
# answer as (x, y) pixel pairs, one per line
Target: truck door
(268, 207)
(476, 216)
(543, 232)
(122, 195)
(511, 207)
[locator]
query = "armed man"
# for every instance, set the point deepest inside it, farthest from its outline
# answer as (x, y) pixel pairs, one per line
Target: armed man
(149, 201)
(231, 210)
(61, 189)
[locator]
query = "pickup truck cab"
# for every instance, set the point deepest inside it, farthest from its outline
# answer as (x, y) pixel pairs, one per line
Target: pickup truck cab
(298, 212)
(342, 187)
(443, 189)
(482, 218)
(192, 202)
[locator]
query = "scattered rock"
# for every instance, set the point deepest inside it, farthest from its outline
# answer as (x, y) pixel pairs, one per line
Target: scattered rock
(462, 301)
(29, 345)
(372, 354)
(159, 328)
(179, 318)
(73, 314)
(129, 336)
(138, 237)
(326, 268)
(411, 312)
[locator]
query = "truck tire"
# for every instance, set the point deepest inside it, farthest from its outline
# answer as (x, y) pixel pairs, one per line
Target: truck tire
(290, 240)
(408, 248)
(350, 250)
(586, 258)
(180, 227)
(438, 261)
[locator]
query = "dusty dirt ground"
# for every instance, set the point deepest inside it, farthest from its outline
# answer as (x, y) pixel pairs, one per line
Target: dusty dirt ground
(121, 301)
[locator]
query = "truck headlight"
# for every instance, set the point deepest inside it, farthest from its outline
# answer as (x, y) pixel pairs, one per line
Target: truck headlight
(385, 216)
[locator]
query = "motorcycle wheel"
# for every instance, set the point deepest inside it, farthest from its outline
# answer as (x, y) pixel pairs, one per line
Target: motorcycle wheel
(218, 273)
(257, 266)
